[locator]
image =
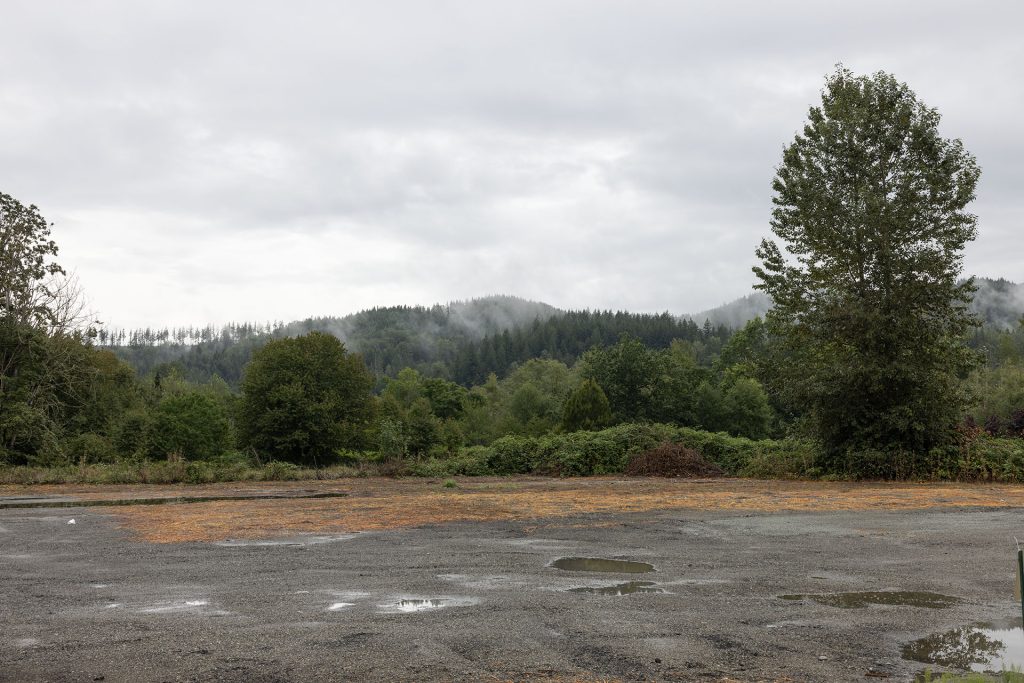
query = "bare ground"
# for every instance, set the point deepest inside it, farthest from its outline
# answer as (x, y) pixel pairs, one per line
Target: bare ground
(311, 589)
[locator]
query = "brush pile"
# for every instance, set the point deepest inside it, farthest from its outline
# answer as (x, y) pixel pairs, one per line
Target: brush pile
(671, 460)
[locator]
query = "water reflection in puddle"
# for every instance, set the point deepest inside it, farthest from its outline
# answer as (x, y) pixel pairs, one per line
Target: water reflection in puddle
(418, 605)
(620, 588)
(896, 598)
(598, 564)
(335, 606)
(976, 648)
(289, 541)
(409, 605)
(171, 606)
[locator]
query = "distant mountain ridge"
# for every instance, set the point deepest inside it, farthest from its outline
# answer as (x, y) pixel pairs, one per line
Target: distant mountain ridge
(998, 302)
(467, 340)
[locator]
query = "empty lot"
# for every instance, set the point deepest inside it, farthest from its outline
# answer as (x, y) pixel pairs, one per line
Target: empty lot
(412, 580)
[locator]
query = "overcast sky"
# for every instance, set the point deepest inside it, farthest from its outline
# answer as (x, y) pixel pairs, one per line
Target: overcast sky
(216, 161)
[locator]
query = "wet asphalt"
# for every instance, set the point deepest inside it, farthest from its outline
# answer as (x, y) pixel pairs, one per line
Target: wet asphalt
(482, 601)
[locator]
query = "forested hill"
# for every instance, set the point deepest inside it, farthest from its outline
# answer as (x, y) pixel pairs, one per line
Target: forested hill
(464, 341)
(999, 303)
(737, 313)
(389, 338)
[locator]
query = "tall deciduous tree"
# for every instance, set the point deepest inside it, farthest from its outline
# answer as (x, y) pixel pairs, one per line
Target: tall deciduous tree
(303, 398)
(871, 206)
(26, 262)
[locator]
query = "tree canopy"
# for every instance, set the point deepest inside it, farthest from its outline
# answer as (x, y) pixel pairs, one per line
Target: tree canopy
(871, 207)
(303, 398)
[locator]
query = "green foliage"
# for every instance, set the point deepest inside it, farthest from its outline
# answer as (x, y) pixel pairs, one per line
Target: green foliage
(89, 449)
(870, 203)
(191, 425)
(422, 427)
(26, 261)
(1000, 393)
(439, 342)
(469, 462)
(446, 399)
(392, 440)
(576, 454)
(746, 408)
(303, 398)
(586, 408)
(131, 432)
(627, 372)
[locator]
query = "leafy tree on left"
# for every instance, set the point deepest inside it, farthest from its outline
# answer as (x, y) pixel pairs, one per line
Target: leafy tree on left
(303, 398)
(51, 380)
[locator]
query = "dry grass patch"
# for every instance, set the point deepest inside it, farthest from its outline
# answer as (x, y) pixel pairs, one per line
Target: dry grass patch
(378, 504)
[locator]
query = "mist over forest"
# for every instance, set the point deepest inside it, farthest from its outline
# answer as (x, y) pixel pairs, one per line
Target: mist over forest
(465, 341)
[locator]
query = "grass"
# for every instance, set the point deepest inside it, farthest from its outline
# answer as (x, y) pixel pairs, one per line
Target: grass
(380, 503)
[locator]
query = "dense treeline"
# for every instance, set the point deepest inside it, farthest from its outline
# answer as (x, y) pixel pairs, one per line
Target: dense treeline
(461, 342)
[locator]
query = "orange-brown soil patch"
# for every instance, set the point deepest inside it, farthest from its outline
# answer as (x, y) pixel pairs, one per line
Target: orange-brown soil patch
(376, 504)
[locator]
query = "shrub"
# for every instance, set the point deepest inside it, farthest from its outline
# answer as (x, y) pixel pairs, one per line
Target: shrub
(513, 455)
(788, 459)
(281, 471)
(89, 449)
(192, 424)
(131, 433)
(671, 460)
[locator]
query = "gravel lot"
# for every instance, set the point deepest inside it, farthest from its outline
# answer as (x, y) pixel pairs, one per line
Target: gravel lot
(479, 600)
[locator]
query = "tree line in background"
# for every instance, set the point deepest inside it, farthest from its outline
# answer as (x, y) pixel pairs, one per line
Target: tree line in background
(451, 343)
(871, 362)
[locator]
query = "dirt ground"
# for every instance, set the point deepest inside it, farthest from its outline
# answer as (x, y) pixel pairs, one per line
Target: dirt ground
(416, 580)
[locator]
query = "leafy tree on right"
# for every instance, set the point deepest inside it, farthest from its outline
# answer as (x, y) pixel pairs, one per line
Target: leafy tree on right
(870, 314)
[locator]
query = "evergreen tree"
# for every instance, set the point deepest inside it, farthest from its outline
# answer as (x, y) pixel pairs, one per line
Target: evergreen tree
(586, 408)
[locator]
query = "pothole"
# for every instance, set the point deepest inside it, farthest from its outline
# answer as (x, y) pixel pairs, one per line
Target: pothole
(978, 648)
(627, 588)
(599, 564)
(865, 598)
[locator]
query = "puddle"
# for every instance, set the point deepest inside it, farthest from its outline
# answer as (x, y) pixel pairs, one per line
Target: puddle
(410, 605)
(895, 598)
(976, 648)
(7, 503)
(598, 564)
(182, 606)
(483, 582)
(287, 541)
(334, 607)
(627, 588)
(418, 605)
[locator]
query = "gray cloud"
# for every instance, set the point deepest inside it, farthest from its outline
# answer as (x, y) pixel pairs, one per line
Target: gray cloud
(244, 160)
